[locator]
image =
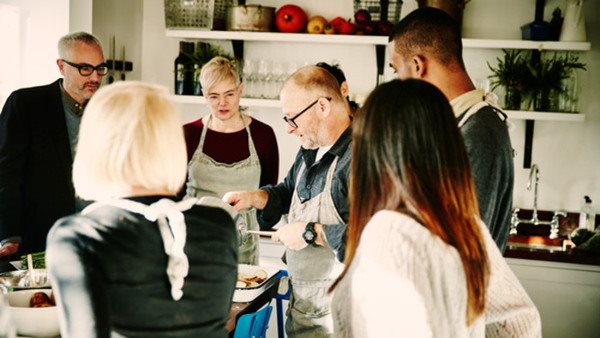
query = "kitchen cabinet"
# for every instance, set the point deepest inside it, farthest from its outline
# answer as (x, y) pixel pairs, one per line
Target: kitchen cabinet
(378, 41)
(567, 295)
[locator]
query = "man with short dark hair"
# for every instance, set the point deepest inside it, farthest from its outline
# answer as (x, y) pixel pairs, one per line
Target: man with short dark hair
(38, 134)
(427, 45)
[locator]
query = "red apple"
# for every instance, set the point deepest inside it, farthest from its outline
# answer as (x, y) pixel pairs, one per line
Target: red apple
(337, 22)
(290, 19)
(384, 27)
(370, 28)
(362, 17)
(346, 27)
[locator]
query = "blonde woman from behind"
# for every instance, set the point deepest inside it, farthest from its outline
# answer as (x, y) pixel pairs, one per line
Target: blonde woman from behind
(136, 262)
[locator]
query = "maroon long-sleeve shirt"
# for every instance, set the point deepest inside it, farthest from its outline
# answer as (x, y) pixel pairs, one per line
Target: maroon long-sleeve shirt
(233, 147)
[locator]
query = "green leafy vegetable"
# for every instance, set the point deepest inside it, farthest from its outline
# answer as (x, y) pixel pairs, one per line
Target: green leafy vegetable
(38, 258)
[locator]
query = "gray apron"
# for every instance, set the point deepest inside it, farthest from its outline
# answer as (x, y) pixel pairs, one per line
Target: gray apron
(207, 177)
(312, 269)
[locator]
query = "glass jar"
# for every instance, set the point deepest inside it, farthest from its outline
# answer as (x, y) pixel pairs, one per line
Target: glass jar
(512, 99)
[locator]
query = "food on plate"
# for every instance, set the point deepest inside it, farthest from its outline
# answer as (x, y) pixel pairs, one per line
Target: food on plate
(250, 280)
(41, 299)
(38, 259)
(290, 19)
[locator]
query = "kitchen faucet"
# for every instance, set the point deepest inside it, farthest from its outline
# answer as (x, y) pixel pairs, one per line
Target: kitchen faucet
(534, 173)
(534, 177)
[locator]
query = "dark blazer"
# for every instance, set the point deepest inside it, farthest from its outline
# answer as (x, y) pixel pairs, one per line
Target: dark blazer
(35, 165)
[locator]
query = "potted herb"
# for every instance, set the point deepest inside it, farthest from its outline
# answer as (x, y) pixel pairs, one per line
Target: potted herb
(513, 74)
(546, 81)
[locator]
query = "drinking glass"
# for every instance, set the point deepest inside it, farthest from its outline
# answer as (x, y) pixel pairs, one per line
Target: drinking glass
(278, 76)
(263, 77)
(249, 77)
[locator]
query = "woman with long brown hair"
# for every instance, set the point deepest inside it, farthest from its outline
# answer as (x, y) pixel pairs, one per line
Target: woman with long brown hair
(417, 252)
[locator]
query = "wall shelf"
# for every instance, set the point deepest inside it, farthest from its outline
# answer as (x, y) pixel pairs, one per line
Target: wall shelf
(512, 114)
(278, 37)
(526, 44)
(367, 40)
(545, 116)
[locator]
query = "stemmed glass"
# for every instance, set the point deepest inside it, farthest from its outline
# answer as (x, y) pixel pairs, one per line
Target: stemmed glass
(249, 77)
(263, 77)
(278, 76)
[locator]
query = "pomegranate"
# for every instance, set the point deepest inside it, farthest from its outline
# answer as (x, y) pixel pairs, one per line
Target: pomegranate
(290, 19)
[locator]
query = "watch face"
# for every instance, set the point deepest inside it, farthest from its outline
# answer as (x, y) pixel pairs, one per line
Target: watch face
(309, 236)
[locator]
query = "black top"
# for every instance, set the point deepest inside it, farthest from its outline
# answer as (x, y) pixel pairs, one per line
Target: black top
(35, 165)
(491, 159)
(109, 273)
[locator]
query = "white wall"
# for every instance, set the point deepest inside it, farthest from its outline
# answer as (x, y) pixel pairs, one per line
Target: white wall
(123, 20)
(80, 15)
(31, 43)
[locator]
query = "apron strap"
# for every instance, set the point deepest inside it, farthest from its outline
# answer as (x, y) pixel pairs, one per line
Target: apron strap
(490, 99)
(171, 224)
(251, 147)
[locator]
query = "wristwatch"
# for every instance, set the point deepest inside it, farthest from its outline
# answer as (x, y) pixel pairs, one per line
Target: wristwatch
(309, 235)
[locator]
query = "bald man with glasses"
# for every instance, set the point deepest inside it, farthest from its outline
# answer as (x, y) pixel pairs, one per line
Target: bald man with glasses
(313, 195)
(38, 135)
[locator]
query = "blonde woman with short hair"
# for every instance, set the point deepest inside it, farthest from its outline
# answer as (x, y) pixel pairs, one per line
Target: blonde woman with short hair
(136, 263)
(228, 150)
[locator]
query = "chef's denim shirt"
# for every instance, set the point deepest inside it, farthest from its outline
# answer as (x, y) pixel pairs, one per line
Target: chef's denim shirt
(311, 184)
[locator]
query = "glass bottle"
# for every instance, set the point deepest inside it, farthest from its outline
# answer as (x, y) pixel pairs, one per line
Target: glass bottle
(184, 69)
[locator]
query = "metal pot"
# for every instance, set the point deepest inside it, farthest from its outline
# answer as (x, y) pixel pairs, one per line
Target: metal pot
(453, 7)
(250, 18)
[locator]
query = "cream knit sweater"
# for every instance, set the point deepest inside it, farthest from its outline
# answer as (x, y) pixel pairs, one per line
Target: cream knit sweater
(405, 282)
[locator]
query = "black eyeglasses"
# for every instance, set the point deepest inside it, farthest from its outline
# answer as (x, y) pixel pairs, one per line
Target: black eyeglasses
(87, 69)
(291, 121)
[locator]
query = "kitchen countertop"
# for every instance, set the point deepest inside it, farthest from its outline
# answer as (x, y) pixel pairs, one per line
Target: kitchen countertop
(568, 256)
(540, 233)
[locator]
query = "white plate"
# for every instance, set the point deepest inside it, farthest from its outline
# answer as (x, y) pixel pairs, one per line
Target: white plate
(247, 294)
(17, 265)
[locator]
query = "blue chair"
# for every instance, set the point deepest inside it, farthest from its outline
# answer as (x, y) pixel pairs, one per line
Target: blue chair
(279, 298)
(253, 325)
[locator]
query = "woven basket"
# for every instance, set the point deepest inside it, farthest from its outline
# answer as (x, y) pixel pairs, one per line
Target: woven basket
(197, 14)
(375, 9)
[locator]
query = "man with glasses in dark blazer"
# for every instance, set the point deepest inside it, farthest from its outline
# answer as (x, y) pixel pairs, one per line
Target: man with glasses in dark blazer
(38, 135)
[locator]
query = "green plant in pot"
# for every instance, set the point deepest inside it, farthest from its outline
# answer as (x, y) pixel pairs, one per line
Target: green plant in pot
(546, 79)
(511, 73)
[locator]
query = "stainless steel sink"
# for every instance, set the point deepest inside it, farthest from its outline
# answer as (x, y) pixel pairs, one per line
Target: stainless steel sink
(536, 243)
